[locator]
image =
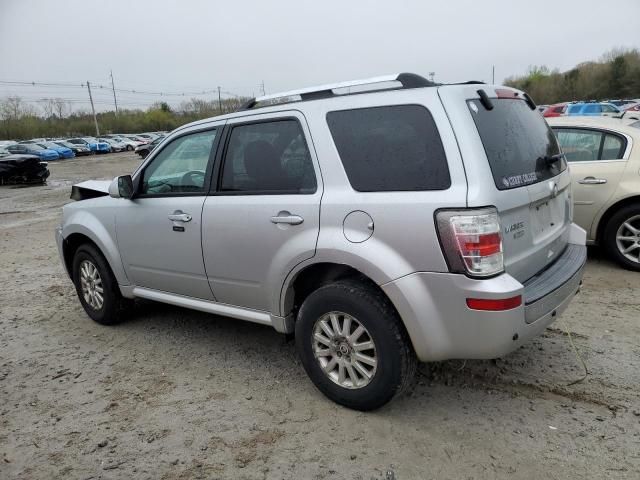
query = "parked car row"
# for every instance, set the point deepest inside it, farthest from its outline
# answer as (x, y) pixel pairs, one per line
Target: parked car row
(54, 149)
(592, 108)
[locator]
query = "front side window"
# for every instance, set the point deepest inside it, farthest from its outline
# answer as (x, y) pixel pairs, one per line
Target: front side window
(268, 157)
(586, 145)
(392, 148)
(181, 166)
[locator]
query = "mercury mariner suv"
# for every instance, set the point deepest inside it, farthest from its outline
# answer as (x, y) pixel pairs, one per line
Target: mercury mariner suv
(382, 222)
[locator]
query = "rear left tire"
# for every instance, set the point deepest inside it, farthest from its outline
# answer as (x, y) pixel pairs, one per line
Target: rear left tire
(353, 345)
(622, 237)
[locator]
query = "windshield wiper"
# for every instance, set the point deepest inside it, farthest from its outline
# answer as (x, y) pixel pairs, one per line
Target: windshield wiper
(551, 159)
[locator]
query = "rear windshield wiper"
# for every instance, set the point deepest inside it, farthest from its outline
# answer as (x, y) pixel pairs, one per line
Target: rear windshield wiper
(549, 160)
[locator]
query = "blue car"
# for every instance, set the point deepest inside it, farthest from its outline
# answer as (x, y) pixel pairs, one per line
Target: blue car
(93, 144)
(64, 152)
(592, 109)
(33, 149)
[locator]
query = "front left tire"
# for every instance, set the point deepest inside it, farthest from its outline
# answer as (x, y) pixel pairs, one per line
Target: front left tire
(97, 287)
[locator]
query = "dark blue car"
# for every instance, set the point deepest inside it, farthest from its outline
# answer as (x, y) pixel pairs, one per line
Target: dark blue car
(33, 149)
(64, 152)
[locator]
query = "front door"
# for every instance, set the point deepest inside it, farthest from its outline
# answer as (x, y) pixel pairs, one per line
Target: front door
(263, 218)
(159, 230)
(596, 163)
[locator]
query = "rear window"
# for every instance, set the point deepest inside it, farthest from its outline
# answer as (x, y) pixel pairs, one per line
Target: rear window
(518, 143)
(394, 148)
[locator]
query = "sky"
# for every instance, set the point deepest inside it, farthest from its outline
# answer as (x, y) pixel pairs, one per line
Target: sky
(193, 46)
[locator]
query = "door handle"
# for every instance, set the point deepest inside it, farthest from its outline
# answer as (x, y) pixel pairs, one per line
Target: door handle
(592, 181)
(286, 217)
(179, 216)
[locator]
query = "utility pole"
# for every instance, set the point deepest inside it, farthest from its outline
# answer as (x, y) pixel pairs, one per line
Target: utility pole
(432, 75)
(262, 88)
(95, 119)
(493, 74)
(219, 100)
(115, 101)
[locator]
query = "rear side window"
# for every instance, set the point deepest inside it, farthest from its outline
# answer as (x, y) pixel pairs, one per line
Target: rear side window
(593, 108)
(268, 158)
(518, 143)
(394, 148)
(587, 145)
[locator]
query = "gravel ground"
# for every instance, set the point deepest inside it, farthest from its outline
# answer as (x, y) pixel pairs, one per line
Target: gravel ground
(177, 394)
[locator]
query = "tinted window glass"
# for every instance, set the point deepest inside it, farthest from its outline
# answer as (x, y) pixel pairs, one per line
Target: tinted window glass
(579, 145)
(268, 157)
(181, 166)
(613, 147)
(396, 148)
(517, 142)
(609, 109)
(593, 108)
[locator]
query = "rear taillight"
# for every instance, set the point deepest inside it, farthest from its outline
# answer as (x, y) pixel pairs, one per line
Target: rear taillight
(471, 241)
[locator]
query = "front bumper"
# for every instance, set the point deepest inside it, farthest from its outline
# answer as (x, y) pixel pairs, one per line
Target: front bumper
(441, 326)
(60, 244)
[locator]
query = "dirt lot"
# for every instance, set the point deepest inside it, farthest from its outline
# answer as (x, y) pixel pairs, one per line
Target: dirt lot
(176, 394)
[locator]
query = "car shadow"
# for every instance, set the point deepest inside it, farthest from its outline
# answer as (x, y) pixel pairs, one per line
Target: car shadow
(546, 364)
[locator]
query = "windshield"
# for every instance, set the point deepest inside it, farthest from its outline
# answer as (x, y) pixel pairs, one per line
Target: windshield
(33, 146)
(520, 146)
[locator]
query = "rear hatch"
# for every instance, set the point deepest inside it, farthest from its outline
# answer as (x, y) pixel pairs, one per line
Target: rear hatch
(513, 162)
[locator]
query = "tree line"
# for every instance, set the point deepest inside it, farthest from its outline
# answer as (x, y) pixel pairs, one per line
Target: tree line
(20, 120)
(615, 75)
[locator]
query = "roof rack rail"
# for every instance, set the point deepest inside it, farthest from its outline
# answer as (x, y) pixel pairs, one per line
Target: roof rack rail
(407, 80)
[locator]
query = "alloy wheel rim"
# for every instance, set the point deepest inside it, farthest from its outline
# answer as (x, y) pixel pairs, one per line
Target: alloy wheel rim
(345, 350)
(91, 285)
(628, 238)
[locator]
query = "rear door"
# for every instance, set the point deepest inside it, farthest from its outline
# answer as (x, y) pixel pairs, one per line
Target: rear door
(597, 160)
(511, 160)
(263, 217)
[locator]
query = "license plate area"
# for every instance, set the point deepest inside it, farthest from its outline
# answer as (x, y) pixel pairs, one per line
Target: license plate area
(548, 216)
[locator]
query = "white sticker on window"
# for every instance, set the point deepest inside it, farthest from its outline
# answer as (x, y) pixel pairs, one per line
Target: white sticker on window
(473, 107)
(517, 180)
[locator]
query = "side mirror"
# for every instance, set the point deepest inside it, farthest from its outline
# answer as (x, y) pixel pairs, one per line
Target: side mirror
(121, 187)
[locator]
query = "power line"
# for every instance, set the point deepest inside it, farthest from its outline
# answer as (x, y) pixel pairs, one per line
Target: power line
(122, 90)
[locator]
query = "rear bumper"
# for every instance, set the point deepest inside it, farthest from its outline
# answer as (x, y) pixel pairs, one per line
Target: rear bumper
(441, 326)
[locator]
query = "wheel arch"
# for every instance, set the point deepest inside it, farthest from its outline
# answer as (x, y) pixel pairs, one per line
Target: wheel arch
(609, 212)
(312, 276)
(75, 234)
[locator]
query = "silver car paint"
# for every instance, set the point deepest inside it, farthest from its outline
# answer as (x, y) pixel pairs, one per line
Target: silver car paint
(246, 255)
(402, 255)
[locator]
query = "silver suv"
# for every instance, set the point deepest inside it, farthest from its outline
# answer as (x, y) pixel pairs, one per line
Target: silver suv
(383, 222)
